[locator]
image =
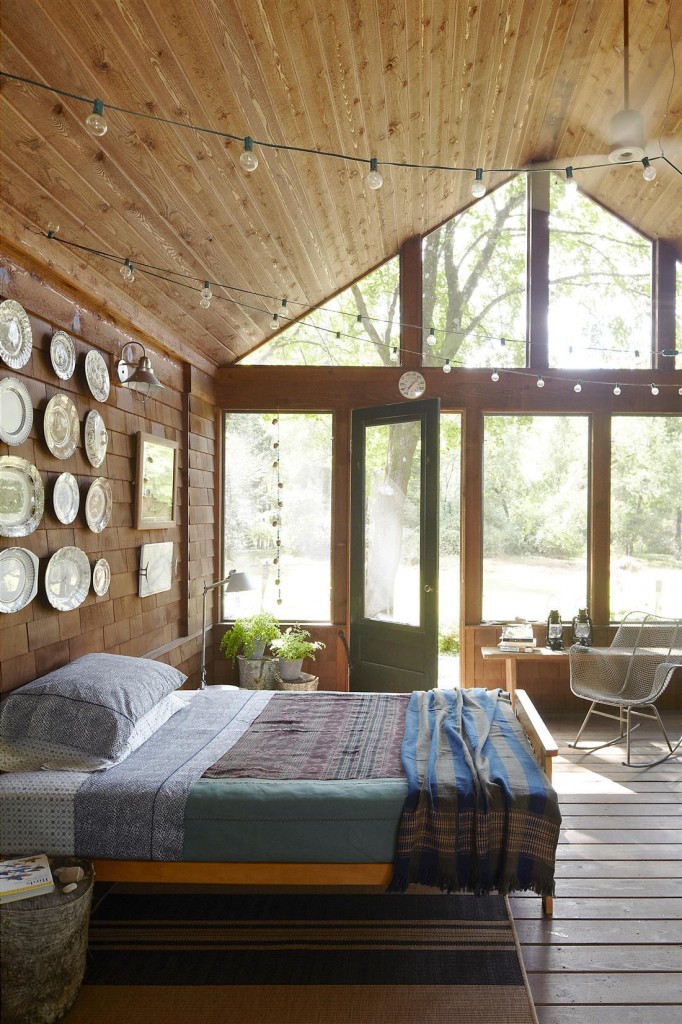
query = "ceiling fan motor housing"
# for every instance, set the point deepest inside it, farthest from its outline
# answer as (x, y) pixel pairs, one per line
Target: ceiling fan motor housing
(626, 132)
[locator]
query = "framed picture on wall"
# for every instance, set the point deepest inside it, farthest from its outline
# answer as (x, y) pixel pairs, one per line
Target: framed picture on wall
(155, 482)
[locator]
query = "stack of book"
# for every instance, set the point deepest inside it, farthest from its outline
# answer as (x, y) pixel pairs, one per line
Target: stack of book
(517, 636)
(22, 877)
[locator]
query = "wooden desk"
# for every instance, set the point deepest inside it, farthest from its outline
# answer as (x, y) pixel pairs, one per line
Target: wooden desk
(512, 657)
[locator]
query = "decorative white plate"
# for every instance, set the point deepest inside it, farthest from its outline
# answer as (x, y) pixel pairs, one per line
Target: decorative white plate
(66, 498)
(62, 355)
(61, 426)
(22, 497)
(18, 578)
(16, 336)
(16, 411)
(96, 438)
(67, 579)
(101, 577)
(98, 505)
(97, 375)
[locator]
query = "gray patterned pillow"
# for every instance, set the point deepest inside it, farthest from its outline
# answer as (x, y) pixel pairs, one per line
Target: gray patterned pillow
(92, 704)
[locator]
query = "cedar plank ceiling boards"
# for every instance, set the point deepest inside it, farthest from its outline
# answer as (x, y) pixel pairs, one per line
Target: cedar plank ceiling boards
(495, 83)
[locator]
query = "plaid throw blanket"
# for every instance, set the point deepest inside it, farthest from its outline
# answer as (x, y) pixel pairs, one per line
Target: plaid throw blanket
(480, 814)
(320, 736)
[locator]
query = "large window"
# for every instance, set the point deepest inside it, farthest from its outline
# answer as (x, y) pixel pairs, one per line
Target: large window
(600, 287)
(534, 516)
(474, 283)
(646, 515)
(277, 524)
(332, 335)
(449, 548)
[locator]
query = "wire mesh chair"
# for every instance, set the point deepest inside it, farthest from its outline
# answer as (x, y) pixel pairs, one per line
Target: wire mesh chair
(629, 675)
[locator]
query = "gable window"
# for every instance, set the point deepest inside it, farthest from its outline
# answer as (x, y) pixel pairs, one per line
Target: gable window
(277, 522)
(534, 516)
(474, 283)
(599, 287)
(646, 515)
(332, 335)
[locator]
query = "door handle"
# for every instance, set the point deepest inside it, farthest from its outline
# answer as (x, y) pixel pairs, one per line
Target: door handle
(428, 589)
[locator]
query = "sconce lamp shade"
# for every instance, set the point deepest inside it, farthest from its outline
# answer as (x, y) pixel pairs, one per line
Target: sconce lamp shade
(142, 379)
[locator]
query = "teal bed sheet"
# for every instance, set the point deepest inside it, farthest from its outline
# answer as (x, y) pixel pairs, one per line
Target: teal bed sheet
(283, 821)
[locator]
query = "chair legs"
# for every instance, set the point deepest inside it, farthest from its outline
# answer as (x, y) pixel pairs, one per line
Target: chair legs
(624, 719)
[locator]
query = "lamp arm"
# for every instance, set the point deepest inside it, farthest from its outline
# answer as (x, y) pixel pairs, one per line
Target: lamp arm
(207, 588)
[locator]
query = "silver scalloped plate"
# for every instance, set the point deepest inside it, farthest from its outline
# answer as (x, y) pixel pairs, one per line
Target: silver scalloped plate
(16, 336)
(97, 375)
(98, 504)
(101, 577)
(61, 426)
(16, 411)
(62, 355)
(22, 497)
(66, 498)
(95, 438)
(18, 578)
(67, 579)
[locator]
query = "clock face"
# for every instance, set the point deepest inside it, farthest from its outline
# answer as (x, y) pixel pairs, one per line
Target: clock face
(412, 384)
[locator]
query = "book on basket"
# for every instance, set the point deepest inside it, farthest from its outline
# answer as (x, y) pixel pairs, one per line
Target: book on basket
(22, 877)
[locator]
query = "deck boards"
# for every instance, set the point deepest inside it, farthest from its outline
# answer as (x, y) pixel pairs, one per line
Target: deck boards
(611, 954)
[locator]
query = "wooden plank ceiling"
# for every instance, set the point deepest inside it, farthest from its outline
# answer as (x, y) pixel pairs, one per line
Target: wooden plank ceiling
(498, 83)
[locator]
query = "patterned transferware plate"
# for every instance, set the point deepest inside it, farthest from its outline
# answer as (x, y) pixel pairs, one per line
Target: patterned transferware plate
(98, 505)
(101, 577)
(61, 426)
(66, 498)
(16, 336)
(22, 497)
(97, 375)
(16, 411)
(96, 438)
(62, 355)
(18, 578)
(67, 579)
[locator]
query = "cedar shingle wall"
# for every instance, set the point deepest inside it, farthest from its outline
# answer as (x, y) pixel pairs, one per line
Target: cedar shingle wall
(39, 638)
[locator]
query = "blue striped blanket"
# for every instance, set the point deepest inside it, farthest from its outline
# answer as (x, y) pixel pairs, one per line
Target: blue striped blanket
(480, 814)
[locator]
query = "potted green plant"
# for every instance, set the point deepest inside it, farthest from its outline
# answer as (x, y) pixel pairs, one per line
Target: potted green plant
(293, 647)
(250, 636)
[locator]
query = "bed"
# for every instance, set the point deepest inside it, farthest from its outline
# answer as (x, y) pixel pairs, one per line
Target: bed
(109, 761)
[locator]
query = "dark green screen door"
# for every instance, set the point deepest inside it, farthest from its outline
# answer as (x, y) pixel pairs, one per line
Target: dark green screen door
(394, 547)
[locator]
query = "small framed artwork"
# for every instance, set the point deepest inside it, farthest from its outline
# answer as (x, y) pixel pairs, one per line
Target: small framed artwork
(156, 568)
(155, 482)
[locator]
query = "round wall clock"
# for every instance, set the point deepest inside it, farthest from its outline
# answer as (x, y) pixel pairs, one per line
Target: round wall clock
(412, 384)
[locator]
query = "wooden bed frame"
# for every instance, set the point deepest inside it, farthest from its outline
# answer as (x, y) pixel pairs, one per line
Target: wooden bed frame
(303, 874)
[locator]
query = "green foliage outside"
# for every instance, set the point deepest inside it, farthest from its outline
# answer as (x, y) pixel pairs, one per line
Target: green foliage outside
(448, 641)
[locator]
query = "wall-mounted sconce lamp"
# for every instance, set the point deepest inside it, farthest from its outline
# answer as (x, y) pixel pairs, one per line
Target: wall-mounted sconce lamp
(138, 378)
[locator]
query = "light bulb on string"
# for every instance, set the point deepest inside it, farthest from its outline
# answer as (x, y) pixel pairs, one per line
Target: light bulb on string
(578, 387)
(338, 335)
(284, 311)
(649, 172)
(478, 187)
(570, 187)
(374, 179)
(494, 376)
(617, 389)
(52, 229)
(431, 340)
(274, 323)
(394, 354)
(206, 296)
(248, 158)
(679, 391)
(127, 272)
(96, 122)
(358, 322)
(540, 382)
(654, 389)
(446, 366)
(503, 342)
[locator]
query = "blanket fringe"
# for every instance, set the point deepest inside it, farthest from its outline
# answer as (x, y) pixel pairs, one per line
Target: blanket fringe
(543, 886)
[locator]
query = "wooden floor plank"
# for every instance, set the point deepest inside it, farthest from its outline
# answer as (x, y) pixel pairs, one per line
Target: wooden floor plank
(624, 837)
(591, 908)
(607, 989)
(619, 869)
(576, 932)
(638, 1014)
(608, 851)
(602, 958)
(655, 821)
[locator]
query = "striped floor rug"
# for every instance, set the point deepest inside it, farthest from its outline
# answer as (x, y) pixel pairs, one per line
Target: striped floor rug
(302, 959)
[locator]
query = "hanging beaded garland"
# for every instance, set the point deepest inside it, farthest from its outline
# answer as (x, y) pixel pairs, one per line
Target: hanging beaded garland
(279, 504)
